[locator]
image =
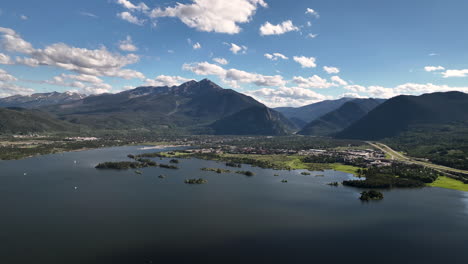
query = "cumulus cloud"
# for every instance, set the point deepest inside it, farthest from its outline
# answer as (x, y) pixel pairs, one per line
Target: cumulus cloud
(337, 80)
(312, 82)
(404, 89)
(127, 45)
(6, 77)
(164, 80)
(275, 56)
(23, 17)
(196, 46)
(455, 73)
(31, 62)
(433, 68)
(310, 35)
(234, 76)
(129, 5)
(305, 62)
(221, 61)
(11, 41)
(209, 16)
(97, 62)
(87, 83)
(7, 88)
(236, 48)
(310, 11)
(127, 16)
(5, 59)
(270, 29)
(331, 70)
(286, 96)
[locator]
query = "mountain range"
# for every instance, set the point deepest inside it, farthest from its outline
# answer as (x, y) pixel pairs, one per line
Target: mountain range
(205, 108)
(337, 120)
(40, 99)
(401, 113)
(303, 115)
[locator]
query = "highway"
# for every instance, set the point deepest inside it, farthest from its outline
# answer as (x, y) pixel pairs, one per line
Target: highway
(395, 155)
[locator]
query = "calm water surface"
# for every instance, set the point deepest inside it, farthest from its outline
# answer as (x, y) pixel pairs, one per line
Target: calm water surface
(122, 217)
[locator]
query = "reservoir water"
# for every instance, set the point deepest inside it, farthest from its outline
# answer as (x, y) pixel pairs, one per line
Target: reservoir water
(56, 210)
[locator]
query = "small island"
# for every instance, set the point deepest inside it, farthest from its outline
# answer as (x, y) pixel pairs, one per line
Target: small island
(246, 173)
(195, 181)
(371, 195)
(217, 170)
(125, 165)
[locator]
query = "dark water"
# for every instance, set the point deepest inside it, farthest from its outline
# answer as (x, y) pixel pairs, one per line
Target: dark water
(121, 217)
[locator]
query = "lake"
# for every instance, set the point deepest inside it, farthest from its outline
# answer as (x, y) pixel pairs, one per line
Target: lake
(54, 210)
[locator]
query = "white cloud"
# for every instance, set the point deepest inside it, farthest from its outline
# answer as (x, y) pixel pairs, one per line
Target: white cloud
(305, 62)
(221, 61)
(234, 76)
(23, 17)
(312, 82)
(275, 56)
(31, 62)
(164, 80)
(404, 89)
(7, 88)
(236, 48)
(88, 84)
(433, 68)
(129, 5)
(312, 12)
(5, 59)
(331, 70)
(130, 18)
(98, 62)
(309, 24)
(212, 16)
(284, 27)
(127, 45)
(455, 73)
(196, 46)
(310, 35)
(337, 80)
(6, 77)
(286, 96)
(13, 42)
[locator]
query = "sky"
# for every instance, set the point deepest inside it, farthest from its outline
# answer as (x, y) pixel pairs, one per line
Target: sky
(282, 53)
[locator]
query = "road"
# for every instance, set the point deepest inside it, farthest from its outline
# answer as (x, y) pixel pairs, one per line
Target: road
(395, 155)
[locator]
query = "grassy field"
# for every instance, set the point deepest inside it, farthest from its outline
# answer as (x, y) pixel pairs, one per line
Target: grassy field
(283, 162)
(449, 183)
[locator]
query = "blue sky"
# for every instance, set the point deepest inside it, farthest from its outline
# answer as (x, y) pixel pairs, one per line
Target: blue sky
(273, 50)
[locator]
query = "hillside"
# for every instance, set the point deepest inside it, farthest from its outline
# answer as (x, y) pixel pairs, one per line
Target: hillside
(23, 121)
(257, 120)
(335, 121)
(189, 108)
(306, 114)
(401, 113)
(39, 99)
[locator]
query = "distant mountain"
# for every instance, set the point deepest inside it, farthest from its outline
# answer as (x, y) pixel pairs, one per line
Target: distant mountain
(23, 121)
(257, 120)
(39, 99)
(191, 108)
(306, 114)
(335, 121)
(401, 113)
